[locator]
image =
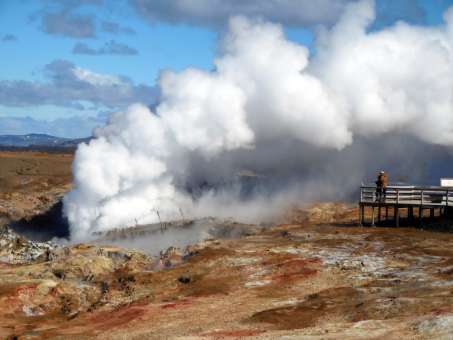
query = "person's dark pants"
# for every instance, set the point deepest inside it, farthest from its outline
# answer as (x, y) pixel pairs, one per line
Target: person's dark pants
(380, 193)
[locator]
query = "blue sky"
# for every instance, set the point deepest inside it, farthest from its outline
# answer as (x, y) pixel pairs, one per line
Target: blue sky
(63, 60)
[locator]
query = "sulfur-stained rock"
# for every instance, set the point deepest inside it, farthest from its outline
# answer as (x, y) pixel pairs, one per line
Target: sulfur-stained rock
(45, 287)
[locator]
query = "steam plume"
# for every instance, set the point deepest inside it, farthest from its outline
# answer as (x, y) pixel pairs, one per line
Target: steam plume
(270, 108)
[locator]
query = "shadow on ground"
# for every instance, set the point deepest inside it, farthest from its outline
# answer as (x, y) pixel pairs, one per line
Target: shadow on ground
(44, 226)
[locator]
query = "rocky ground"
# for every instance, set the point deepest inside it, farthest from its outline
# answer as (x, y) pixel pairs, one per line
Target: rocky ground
(31, 182)
(315, 275)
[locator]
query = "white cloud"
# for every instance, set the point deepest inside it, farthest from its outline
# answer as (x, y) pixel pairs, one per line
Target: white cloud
(69, 85)
(96, 79)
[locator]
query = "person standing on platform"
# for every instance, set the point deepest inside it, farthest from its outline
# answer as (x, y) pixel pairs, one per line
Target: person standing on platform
(381, 186)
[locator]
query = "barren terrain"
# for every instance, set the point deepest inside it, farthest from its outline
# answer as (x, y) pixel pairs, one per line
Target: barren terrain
(30, 182)
(314, 275)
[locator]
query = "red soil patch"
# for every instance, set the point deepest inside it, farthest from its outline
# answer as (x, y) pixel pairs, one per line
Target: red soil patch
(277, 259)
(13, 294)
(25, 289)
(176, 304)
(124, 315)
(442, 311)
(296, 268)
(13, 290)
(304, 273)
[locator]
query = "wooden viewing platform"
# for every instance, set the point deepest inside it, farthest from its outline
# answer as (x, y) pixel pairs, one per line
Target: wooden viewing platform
(438, 200)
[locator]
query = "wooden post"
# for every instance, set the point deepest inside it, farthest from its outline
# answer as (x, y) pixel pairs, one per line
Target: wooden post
(379, 214)
(447, 204)
(360, 214)
(386, 213)
(363, 214)
(420, 216)
(447, 194)
(372, 217)
(394, 213)
(431, 212)
(421, 210)
(410, 213)
(397, 222)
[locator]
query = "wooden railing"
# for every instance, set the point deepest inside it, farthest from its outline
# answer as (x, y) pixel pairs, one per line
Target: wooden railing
(410, 195)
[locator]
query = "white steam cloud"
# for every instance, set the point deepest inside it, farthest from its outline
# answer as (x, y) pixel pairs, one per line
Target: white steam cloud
(267, 105)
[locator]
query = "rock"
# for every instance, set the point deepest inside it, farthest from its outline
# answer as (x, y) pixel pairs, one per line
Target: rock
(184, 279)
(46, 286)
(15, 249)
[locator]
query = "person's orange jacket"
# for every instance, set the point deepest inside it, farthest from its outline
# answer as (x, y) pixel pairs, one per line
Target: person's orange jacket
(384, 180)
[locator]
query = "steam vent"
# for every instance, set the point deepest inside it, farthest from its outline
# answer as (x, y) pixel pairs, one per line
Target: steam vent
(226, 169)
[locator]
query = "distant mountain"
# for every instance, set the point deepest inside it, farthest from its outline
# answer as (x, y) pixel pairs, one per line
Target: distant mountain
(39, 140)
(75, 142)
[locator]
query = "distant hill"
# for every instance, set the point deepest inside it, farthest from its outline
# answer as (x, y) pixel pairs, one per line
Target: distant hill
(39, 140)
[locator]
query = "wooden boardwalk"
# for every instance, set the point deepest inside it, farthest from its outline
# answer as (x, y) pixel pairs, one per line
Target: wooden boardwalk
(412, 199)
